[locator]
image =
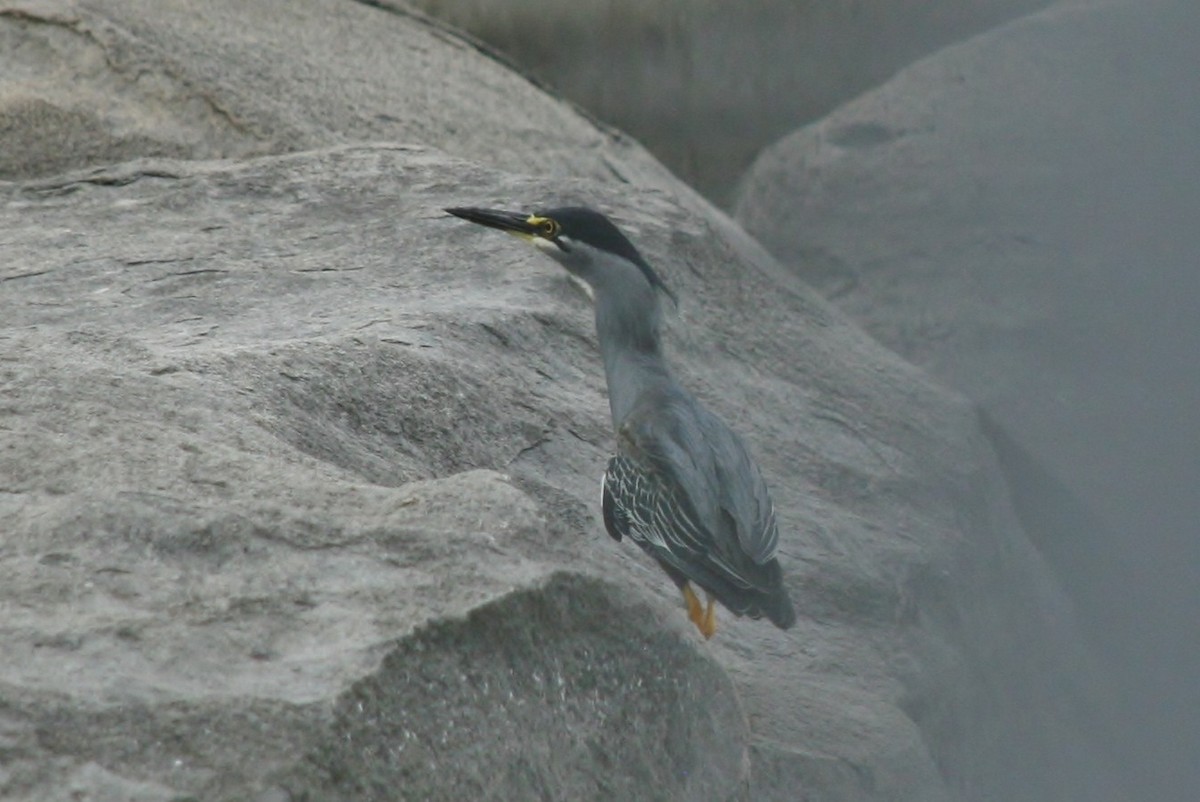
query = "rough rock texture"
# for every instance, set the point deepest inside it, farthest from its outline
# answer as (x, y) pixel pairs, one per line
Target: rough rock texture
(1018, 215)
(705, 84)
(92, 82)
(298, 475)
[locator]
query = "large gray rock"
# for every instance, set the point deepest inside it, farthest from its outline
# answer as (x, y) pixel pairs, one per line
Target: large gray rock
(93, 82)
(298, 476)
(705, 84)
(1018, 215)
(262, 532)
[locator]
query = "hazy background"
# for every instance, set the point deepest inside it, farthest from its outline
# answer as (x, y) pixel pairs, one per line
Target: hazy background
(298, 474)
(706, 84)
(1018, 216)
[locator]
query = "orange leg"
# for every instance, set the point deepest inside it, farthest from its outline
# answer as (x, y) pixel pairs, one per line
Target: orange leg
(704, 619)
(695, 609)
(709, 627)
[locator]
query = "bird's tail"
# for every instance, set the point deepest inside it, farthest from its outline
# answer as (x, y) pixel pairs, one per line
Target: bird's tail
(777, 607)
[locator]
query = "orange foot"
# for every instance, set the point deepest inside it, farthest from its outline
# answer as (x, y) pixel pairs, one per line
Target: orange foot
(695, 610)
(705, 620)
(709, 627)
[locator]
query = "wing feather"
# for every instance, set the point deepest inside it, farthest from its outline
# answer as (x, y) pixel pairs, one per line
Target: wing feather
(693, 496)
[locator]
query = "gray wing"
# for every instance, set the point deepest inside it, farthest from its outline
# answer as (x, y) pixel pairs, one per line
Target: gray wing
(638, 504)
(684, 485)
(742, 492)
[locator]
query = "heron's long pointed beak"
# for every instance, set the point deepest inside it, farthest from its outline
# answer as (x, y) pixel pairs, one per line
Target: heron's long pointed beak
(523, 225)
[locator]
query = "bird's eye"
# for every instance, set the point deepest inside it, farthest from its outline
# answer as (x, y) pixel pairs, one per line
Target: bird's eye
(549, 228)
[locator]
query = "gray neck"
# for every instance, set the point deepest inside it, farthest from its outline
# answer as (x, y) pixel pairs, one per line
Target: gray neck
(627, 327)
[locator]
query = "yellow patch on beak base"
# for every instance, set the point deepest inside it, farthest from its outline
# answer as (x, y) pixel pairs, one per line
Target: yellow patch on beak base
(546, 228)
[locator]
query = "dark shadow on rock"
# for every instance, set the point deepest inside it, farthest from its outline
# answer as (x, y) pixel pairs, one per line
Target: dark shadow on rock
(1087, 555)
(565, 691)
(1076, 543)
